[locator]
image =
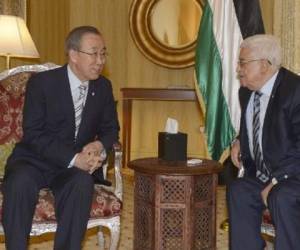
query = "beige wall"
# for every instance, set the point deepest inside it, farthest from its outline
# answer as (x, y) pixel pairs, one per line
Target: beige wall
(127, 67)
(282, 18)
(286, 27)
(149, 117)
(267, 8)
(48, 22)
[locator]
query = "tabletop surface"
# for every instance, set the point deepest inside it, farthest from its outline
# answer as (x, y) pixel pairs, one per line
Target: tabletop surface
(158, 166)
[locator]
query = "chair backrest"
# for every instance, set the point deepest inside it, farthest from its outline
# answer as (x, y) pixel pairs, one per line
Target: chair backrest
(12, 89)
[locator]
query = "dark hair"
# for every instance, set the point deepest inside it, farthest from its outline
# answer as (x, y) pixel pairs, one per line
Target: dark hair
(73, 39)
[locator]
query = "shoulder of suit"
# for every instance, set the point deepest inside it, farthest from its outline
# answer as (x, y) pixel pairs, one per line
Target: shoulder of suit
(287, 73)
(102, 81)
(103, 78)
(51, 72)
(48, 78)
(287, 85)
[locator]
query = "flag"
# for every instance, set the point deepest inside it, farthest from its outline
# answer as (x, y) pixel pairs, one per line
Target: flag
(224, 24)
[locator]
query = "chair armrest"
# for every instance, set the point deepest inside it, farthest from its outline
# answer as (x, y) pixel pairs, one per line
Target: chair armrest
(117, 149)
(117, 188)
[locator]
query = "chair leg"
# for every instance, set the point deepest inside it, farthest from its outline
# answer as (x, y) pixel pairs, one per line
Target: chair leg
(269, 246)
(114, 227)
(115, 234)
(114, 237)
(101, 240)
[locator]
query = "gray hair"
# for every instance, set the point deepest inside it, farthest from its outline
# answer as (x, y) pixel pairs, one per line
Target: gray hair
(265, 47)
(73, 40)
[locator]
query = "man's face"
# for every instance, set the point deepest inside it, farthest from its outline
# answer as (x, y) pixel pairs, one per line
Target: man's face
(251, 70)
(88, 62)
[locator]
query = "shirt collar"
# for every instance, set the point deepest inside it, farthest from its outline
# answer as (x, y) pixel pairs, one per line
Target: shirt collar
(267, 88)
(74, 81)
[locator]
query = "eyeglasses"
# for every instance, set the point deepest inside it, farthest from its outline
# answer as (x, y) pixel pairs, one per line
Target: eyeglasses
(244, 62)
(103, 55)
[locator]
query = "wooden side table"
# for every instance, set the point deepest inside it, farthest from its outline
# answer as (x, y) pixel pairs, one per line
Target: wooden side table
(174, 205)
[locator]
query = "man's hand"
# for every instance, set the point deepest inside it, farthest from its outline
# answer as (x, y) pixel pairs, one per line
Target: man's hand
(94, 148)
(91, 158)
(265, 193)
(95, 163)
(235, 154)
(88, 162)
(83, 160)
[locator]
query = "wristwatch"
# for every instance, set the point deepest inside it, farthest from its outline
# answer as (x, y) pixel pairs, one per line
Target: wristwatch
(274, 181)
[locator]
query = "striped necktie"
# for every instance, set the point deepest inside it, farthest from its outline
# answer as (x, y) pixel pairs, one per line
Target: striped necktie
(78, 106)
(262, 171)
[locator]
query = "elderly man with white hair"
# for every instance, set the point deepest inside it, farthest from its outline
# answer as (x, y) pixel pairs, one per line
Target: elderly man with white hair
(267, 148)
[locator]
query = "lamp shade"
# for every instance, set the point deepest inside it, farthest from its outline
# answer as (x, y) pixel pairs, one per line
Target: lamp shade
(15, 39)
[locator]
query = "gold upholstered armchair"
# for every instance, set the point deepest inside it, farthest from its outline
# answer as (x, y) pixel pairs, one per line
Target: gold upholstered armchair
(107, 201)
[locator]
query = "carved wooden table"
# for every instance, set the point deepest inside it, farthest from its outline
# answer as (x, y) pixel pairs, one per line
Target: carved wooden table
(174, 205)
(150, 94)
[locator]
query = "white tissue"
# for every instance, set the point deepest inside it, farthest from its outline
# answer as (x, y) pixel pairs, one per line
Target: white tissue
(171, 126)
(194, 162)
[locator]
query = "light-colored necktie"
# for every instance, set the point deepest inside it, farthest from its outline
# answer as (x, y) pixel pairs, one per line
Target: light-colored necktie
(78, 106)
(262, 171)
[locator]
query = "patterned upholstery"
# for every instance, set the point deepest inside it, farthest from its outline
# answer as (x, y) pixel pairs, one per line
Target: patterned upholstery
(105, 204)
(107, 201)
(267, 228)
(11, 104)
(5, 151)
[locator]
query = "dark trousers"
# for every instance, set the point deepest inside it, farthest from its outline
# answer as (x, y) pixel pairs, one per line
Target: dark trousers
(245, 207)
(72, 189)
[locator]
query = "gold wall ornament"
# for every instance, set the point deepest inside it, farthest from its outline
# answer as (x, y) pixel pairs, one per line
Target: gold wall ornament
(165, 31)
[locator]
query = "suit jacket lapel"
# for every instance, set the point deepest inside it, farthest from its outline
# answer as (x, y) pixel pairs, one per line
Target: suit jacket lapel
(245, 98)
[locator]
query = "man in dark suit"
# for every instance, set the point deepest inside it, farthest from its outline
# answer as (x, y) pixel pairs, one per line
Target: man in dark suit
(267, 149)
(69, 122)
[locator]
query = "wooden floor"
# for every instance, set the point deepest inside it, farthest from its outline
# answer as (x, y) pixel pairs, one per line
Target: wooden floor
(126, 242)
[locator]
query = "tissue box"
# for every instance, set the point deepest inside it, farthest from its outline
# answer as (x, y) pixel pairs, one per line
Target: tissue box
(172, 147)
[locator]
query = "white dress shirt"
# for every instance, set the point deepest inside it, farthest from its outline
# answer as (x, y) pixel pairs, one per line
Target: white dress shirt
(74, 85)
(266, 91)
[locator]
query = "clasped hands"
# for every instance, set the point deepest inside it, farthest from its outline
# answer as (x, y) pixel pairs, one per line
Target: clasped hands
(90, 158)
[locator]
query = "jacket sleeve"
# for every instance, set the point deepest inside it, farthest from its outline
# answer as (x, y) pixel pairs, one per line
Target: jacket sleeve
(289, 164)
(108, 128)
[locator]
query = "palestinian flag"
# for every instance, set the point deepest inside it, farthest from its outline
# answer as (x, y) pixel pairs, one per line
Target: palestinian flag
(224, 24)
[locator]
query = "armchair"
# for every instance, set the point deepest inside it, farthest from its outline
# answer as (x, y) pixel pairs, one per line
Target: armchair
(267, 228)
(107, 201)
